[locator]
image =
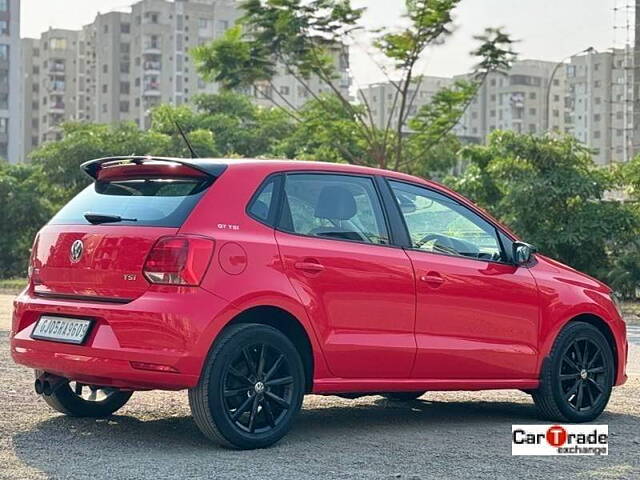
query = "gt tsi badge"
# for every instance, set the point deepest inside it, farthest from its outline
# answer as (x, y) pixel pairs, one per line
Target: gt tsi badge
(75, 253)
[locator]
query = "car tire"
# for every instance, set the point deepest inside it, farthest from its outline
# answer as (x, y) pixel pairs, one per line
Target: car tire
(577, 377)
(403, 396)
(251, 388)
(90, 402)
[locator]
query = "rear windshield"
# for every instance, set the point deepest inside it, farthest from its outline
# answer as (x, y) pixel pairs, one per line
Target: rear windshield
(157, 202)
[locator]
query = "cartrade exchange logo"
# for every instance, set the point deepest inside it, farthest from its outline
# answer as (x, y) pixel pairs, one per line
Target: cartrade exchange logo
(560, 440)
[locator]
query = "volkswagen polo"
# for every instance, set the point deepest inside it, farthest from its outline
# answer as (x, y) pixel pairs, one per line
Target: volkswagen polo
(252, 283)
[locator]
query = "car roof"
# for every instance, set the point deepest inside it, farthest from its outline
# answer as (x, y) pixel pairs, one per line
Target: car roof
(283, 165)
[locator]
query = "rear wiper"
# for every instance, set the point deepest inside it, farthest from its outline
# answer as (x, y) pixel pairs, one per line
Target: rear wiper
(97, 219)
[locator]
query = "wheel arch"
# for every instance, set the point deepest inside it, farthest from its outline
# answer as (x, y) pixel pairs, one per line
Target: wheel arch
(290, 326)
(586, 317)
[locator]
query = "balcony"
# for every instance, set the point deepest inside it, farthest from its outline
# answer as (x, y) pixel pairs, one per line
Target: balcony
(152, 48)
(152, 66)
(57, 107)
(151, 89)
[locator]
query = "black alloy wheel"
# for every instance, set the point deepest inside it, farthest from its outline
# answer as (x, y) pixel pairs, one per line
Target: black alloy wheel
(578, 375)
(258, 388)
(251, 388)
(583, 374)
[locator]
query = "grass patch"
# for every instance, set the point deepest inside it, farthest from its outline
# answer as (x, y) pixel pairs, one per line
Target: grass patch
(12, 285)
(631, 312)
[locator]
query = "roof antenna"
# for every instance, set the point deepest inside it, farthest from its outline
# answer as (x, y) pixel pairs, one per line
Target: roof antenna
(184, 137)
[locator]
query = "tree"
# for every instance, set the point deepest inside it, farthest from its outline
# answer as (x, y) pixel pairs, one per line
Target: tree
(303, 38)
(27, 203)
(549, 191)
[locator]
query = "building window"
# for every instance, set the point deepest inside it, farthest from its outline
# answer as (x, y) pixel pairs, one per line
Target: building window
(598, 100)
(204, 23)
(125, 28)
(152, 17)
(124, 107)
(532, 128)
(4, 125)
(533, 96)
(4, 6)
(4, 52)
(596, 134)
(125, 88)
(597, 117)
(4, 101)
(105, 88)
(58, 44)
(106, 29)
(4, 27)
(105, 68)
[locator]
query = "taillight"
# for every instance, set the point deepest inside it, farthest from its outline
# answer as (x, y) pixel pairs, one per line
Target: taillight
(33, 273)
(179, 260)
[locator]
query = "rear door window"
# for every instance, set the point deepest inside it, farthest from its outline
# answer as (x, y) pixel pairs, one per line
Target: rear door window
(158, 202)
(340, 207)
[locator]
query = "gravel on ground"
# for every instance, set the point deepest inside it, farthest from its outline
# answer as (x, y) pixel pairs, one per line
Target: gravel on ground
(444, 436)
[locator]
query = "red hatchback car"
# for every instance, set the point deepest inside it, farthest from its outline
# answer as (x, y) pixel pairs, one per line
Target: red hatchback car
(252, 283)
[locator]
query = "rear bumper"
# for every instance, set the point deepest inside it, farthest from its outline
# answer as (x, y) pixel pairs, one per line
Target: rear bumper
(167, 327)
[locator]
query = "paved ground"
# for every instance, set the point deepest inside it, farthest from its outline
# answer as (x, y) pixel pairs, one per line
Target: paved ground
(443, 436)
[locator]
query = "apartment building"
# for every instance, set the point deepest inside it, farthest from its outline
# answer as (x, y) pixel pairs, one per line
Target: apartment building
(55, 59)
(526, 100)
(120, 66)
(125, 63)
(383, 101)
(11, 123)
(31, 94)
(291, 92)
(601, 104)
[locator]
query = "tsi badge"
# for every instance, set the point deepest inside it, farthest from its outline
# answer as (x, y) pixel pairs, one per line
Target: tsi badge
(560, 440)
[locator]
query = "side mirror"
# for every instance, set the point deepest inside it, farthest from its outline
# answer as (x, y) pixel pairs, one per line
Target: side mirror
(522, 253)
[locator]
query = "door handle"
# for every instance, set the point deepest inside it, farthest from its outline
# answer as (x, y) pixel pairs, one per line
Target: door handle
(432, 278)
(310, 267)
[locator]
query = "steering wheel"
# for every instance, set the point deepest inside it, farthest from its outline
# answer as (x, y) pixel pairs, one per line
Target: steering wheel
(443, 243)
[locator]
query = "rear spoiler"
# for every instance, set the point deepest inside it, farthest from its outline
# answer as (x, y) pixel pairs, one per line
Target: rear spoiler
(211, 167)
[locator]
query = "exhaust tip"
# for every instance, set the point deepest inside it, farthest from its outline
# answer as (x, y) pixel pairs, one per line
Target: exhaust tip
(46, 388)
(39, 387)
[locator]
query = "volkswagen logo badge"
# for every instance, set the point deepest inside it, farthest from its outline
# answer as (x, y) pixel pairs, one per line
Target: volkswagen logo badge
(76, 251)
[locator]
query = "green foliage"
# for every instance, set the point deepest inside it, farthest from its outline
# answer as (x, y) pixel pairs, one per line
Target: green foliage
(306, 39)
(550, 193)
(81, 142)
(326, 133)
(27, 203)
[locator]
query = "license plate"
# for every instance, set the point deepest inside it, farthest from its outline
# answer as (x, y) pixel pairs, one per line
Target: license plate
(61, 329)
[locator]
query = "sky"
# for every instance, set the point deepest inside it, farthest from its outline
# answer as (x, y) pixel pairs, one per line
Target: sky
(546, 29)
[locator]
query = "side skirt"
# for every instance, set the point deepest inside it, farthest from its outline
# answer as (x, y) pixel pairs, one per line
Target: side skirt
(328, 386)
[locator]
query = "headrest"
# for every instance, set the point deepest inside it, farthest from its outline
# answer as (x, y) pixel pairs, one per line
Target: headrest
(336, 203)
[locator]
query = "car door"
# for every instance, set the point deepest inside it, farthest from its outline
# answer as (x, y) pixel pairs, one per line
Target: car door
(359, 291)
(477, 313)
